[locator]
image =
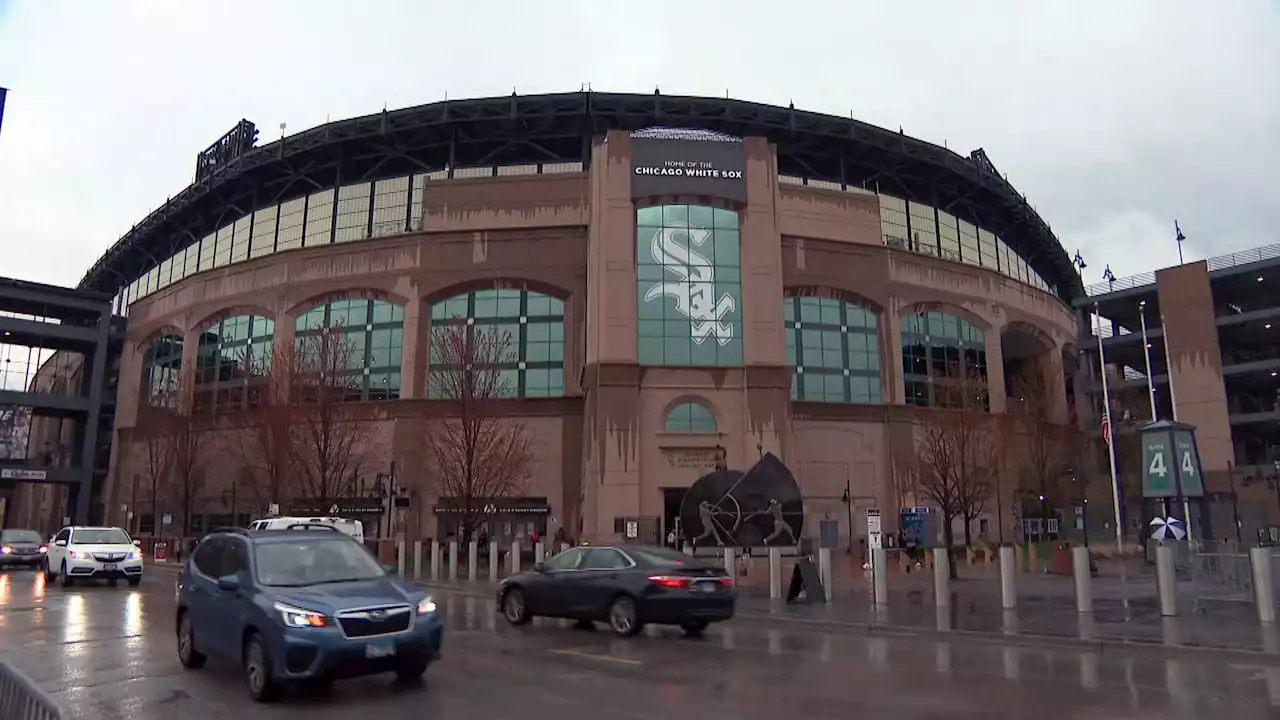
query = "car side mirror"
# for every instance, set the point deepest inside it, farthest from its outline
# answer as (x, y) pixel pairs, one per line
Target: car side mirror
(391, 569)
(229, 583)
(137, 543)
(60, 543)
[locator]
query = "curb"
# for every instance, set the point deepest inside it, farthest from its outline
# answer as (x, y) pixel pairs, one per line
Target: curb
(975, 637)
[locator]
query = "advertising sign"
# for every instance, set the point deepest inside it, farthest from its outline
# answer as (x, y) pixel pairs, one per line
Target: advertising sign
(22, 474)
(715, 168)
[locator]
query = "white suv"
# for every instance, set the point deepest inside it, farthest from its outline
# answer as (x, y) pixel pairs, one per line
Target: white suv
(93, 553)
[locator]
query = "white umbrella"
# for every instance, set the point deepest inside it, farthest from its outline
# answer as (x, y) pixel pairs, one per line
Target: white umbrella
(1163, 528)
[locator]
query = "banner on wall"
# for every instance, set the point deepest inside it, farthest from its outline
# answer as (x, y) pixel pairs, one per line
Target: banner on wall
(662, 166)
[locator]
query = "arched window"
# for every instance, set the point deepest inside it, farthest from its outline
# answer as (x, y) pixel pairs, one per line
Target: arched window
(228, 352)
(690, 417)
(161, 368)
(371, 344)
(833, 350)
(529, 359)
(689, 286)
(938, 348)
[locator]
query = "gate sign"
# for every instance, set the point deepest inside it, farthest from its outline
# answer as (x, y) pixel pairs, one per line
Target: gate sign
(875, 539)
(1170, 461)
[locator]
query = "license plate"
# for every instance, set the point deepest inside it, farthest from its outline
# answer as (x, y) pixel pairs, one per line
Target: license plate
(706, 587)
(379, 650)
(108, 566)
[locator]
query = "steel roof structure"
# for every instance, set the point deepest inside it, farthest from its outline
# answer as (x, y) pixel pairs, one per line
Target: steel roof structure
(560, 128)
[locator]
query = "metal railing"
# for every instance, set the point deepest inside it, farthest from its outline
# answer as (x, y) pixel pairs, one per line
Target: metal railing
(1221, 262)
(20, 699)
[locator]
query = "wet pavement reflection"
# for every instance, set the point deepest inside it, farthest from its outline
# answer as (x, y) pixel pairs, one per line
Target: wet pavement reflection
(108, 653)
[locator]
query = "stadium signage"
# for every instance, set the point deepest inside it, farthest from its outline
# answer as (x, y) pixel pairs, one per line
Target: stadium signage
(661, 167)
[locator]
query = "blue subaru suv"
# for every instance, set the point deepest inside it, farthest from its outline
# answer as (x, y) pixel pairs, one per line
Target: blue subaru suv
(301, 605)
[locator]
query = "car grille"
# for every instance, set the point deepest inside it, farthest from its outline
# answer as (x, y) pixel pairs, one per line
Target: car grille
(375, 621)
(109, 557)
(25, 549)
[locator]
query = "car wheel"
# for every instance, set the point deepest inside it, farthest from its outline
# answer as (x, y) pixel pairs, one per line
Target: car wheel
(134, 582)
(66, 577)
(257, 670)
(411, 670)
(515, 608)
(187, 653)
(694, 628)
(623, 618)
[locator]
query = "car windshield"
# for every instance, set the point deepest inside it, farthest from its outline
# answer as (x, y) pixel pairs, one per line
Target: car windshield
(295, 563)
(100, 536)
(20, 536)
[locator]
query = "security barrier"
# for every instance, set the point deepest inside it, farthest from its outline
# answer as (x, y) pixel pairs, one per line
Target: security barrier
(20, 699)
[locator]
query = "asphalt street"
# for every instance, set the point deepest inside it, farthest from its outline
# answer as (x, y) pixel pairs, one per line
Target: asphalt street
(109, 653)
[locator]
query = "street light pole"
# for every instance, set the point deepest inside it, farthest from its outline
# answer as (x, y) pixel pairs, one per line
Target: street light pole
(848, 502)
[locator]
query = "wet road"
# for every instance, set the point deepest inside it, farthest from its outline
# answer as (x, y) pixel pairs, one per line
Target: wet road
(108, 653)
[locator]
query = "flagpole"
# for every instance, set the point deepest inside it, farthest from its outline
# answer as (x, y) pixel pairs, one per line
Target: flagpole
(1146, 357)
(1110, 438)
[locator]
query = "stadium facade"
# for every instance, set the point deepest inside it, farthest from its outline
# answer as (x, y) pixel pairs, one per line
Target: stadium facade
(685, 280)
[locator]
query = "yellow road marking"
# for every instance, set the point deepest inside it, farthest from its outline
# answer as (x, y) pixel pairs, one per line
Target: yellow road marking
(592, 656)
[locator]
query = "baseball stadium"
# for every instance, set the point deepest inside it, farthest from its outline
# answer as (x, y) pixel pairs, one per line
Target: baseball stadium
(682, 284)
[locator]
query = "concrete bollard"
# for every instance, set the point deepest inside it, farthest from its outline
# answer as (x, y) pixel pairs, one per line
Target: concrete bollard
(494, 560)
(417, 559)
(880, 575)
(401, 558)
(435, 561)
(729, 564)
(453, 560)
(824, 572)
(1166, 580)
(1263, 584)
(942, 577)
(515, 557)
(473, 560)
(1084, 579)
(1008, 578)
(775, 573)
(539, 554)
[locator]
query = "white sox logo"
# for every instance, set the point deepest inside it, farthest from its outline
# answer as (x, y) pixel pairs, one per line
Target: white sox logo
(695, 292)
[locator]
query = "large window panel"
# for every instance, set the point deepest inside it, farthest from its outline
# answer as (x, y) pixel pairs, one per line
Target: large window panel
(161, 370)
(353, 213)
(987, 245)
(689, 417)
(319, 218)
(223, 254)
(938, 350)
(949, 236)
(191, 260)
(689, 290)
(969, 243)
(924, 228)
(390, 206)
(208, 247)
(228, 360)
(289, 235)
(240, 239)
(833, 349)
(372, 339)
(264, 232)
(534, 361)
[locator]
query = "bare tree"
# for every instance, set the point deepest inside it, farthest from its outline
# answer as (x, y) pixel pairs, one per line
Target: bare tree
(956, 446)
(478, 457)
(1044, 446)
(185, 438)
(265, 438)
(151, 433)
(327, 440)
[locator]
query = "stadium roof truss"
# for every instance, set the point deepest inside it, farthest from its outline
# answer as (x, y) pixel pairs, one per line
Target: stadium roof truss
(560, 128)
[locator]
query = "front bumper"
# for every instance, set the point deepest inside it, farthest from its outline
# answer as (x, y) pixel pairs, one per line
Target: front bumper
(29, 559)
(310, 653)
(98, 570)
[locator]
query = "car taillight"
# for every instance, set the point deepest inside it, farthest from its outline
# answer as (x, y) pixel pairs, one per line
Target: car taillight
(726, 581)
(670, 581)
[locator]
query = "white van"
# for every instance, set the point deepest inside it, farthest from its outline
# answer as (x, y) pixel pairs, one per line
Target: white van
(353, 528)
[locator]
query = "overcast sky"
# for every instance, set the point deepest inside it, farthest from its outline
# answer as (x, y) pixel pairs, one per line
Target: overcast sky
(1113, 117)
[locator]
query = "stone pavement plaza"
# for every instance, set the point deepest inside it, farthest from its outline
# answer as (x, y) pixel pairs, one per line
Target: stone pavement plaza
(108, 653)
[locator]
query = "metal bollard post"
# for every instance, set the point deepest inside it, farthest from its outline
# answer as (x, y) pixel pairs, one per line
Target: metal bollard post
(538, 555)
(494, 560)
(824, 572)
(880, 575)
(401, 558)
(453, 560)
(942, 577)
(417, 559)
(473, 560)
(1084, 579)
(1166, 580)
(1008, 578)
(435, 561)
(729, 565)
(775, 573)
(515, 557)
(1263, 588)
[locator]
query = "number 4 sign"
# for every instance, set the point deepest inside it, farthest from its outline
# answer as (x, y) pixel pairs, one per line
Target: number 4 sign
(1170, 461)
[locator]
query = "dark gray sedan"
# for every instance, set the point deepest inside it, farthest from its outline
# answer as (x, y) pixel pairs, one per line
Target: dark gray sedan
(625, 586)
(22, 548)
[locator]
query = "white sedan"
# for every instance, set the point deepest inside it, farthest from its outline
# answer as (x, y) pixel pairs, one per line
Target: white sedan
(93, 553)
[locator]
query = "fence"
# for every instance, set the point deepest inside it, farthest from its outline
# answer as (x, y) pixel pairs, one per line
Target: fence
(20, 699)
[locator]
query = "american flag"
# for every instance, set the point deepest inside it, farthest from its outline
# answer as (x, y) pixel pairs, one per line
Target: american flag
(1106, 429)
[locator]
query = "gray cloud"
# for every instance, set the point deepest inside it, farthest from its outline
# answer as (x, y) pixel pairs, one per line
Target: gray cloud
(1113, 118)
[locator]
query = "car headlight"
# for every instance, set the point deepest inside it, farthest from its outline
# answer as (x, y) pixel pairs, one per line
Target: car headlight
(77, 555)
(426, 606)
(135, 555)
(44, 548)
(299, 618)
